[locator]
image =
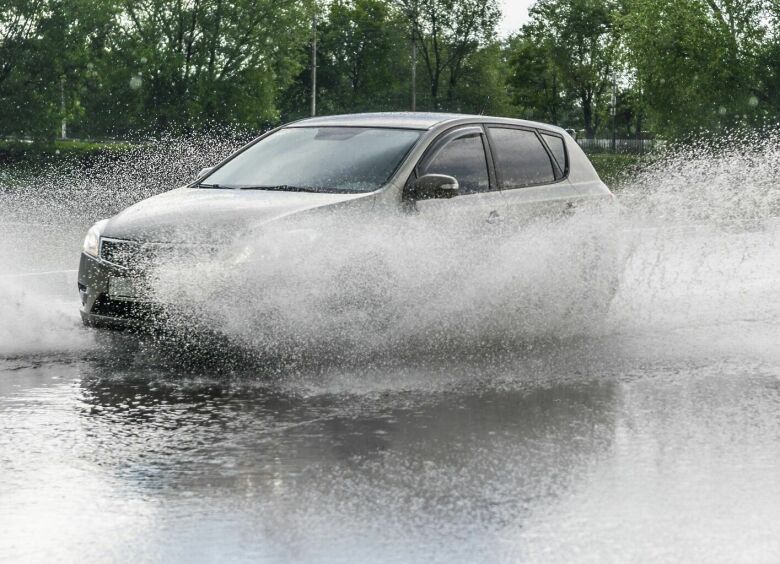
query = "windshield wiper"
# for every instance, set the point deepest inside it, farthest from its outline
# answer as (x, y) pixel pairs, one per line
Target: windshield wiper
(217, 186)
(282, 188)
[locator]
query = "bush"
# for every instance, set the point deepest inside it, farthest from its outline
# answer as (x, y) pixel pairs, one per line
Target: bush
(35, 154)
(615, 169)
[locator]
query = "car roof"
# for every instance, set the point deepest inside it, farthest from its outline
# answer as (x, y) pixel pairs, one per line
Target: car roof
(407, 120)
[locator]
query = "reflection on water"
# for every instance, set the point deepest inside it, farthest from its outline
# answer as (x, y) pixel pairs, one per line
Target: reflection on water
(533, 457)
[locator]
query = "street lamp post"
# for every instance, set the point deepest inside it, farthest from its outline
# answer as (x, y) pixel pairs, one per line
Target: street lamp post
(414, 72)
(613, 112)
(64, 123)
(314, 65)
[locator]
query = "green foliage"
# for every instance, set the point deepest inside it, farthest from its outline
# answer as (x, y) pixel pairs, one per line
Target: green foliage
(42, 56)
(363, 58)
(680, 66)
(563, 61)
(446, 34)
(24, 155)
(208, 61)
(695, 62)
(536, 83)
(481, 87)
(614, 169)
(124, 67)
(366, 56)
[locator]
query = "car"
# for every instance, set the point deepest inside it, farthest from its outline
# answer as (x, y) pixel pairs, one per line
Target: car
(488, 169)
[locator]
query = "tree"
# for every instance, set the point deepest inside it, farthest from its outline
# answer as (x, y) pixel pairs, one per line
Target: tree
(43, 58)
(578, 39)
(695, 61)
(20, 21)
(447, 33)
(362, 57)
(482, 83)
(535, 80)
(171, 64)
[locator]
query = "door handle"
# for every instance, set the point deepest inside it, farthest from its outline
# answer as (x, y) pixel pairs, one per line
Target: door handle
(494, 218)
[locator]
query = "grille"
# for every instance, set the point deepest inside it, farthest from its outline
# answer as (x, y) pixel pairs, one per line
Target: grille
(127, 310)
(137, 256)
(120, 253)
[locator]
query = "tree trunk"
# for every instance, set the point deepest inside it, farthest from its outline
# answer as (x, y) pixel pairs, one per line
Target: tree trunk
(587, 115)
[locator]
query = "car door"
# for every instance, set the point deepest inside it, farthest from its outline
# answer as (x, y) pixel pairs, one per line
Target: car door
(531, 168)
(463, 154)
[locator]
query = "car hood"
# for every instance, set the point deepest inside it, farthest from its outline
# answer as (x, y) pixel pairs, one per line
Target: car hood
(200, 215)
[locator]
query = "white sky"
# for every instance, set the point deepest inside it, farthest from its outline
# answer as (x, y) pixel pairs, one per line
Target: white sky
(515, 15)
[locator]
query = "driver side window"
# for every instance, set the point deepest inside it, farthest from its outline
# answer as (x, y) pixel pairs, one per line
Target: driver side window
(463, 158)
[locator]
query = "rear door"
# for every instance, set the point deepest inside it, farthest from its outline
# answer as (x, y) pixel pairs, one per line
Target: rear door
(464, 154)
(531, 168)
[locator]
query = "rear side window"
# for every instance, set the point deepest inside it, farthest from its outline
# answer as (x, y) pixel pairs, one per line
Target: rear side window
(463, 158)
(558, 150)
(521, 158)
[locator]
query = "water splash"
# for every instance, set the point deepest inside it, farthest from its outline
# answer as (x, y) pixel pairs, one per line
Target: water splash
(44, 214)
(400, 284)
(68, 191)
(697, 239)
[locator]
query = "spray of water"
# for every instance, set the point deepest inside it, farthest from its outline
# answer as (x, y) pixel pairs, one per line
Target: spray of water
(372, 286)
(44, 214)
(695, 245)
(68, 191)
(704, 224)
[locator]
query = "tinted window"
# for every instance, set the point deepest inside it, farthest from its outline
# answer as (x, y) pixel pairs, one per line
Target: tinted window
(321, 159)
(521, 158)
(464, 158)
(558, 149)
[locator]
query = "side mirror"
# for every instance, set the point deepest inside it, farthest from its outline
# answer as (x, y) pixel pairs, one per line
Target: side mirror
(204, 171)
(435, 186)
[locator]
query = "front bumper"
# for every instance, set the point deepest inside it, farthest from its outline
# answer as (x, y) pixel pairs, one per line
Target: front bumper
(98, 309)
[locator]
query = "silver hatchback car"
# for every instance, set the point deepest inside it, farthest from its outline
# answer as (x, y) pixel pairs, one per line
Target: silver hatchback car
(489, 169)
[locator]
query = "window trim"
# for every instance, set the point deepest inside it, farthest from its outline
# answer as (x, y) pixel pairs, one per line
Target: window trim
(542, 133)
(537, 132)
(444, 139)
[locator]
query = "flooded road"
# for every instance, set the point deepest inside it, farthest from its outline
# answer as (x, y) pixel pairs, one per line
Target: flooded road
(654, 436)
(569, 453)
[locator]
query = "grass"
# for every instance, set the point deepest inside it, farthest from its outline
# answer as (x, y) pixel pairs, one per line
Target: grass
(36, 153)
(615, 168)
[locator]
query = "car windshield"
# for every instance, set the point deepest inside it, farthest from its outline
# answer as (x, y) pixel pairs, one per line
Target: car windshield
(318, 159)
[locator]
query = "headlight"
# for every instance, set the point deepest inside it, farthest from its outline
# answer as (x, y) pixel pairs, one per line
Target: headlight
(92, 240)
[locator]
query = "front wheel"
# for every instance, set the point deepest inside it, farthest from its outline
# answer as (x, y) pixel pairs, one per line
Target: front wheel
(361, 295)
(600, 280)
